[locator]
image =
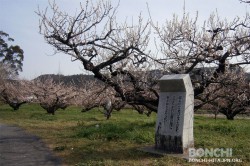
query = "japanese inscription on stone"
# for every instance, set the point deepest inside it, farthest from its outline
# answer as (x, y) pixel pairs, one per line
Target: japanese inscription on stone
(174, 127)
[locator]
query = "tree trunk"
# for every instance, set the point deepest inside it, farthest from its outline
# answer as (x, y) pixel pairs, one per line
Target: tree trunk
(228, 112)
(16, 106)
(51, 111)
(230, 116)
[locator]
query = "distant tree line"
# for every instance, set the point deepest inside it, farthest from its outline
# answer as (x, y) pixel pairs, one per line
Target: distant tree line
(75, 80)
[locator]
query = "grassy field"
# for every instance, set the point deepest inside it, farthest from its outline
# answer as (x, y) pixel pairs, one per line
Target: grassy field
(89, 139)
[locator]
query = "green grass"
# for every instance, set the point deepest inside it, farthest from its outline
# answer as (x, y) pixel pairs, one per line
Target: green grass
(89, 139)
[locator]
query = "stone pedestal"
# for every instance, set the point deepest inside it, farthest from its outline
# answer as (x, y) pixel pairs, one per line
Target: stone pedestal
(174, 126)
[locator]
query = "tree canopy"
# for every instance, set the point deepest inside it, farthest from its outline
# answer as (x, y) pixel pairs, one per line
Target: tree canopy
(119, 54)
(11, 56)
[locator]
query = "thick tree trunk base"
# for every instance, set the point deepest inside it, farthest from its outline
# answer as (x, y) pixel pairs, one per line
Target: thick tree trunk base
(230, 117)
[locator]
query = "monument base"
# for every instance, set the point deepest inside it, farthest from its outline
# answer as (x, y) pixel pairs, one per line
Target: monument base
(152, 150)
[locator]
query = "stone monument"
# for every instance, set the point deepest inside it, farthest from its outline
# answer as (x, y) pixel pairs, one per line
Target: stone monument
(174, 126)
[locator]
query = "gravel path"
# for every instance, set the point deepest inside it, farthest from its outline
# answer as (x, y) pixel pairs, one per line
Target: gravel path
(19, 148)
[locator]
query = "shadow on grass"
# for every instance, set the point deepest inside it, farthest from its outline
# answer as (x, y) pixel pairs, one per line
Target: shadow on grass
(114, 156)
(114, 132)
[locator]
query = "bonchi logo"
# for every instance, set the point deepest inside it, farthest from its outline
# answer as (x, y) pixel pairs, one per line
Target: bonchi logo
(212, 152)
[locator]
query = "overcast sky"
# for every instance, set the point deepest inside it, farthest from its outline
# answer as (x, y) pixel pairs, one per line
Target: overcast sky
(18, 19)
